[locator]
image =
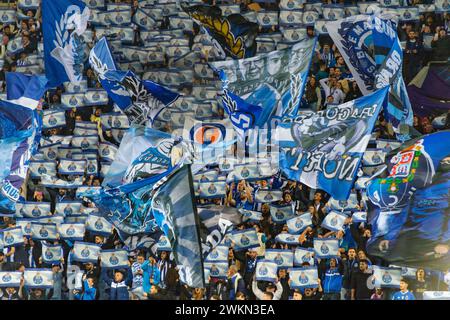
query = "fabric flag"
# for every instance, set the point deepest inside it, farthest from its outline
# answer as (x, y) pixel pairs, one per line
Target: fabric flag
(10, 279)
(296, 225)
(245, 239)
(98, 225)
(267, 83)
(334, 221)
(72, 167)
(25, 90)
(284, 259)
(44, 231)
(436, 295)
(302, 278)
(35, 209)
(176, 215)
(217, 269)
(370, 46)
(386, 277)
(244, 172)
(264, 196)
(233, 36)
(163, 244)
(211, 190)
(302, 255)
(281, 213)
(344, 205)
(326, 248)
(359, 216)
(287, 238)
(219, 253)
(410, 205)
(53, 119)
(51, 253)
(25, 224)
(114, 259)
(38, 278)
(85, 252)
(252, 216)
(141, 101)
(12, 236)
(64, 23)
(266, 271)
(41, 167)
(71, 231)
(323, 150)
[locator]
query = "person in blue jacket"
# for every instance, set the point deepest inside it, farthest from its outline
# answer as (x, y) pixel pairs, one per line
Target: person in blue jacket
(332, 280)
(404, 293)
(89, 291)
(119, 289)
(151, 275)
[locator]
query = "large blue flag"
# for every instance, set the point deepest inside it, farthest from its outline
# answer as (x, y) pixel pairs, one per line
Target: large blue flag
(25, 90)
(409, 208)
(371, 48)
(324, 149)
(141, 101)
(63, 25)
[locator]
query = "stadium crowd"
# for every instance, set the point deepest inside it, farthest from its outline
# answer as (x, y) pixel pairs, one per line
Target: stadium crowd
(153, 274)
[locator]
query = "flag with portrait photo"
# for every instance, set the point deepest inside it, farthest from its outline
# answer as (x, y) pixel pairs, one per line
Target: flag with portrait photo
(325, 248)
(98, 225)
(387, 277)
(51, 253)
(12, 236)
(281, 213)
(283, 258)
(85, 252)
(44, 231)
(10, 279)
(217, 269)
(297, 224)
(38, 278)
(303, 255)
(71, 231)
(302, 278)
(266, 271)
(110, 259)
(334, 221)
(245, 239)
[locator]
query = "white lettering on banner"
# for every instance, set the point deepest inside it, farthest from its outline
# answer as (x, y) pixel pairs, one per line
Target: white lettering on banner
(393, 63)
(216, 236)
(340, 113)
(11, 192)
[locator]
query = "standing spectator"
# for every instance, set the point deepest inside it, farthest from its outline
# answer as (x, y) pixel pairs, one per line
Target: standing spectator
(235, 283)
(404, 293)
(332, 280)
(412, 56)
(119, 290)
(420, 285)
(360, 282)
(441, 45)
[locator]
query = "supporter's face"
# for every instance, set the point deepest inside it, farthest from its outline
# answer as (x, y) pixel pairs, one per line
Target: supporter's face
(403, 285)
(421, 273)
(153, 290)
(240, 298)
(363, 266)
(253, 254)
(89, 266)
(308, 292)
(361, 255)
(38, 292)
(332, 263)
(412, 35)
(352, 253)
(118, 277)
(297, 296)
(442, 33)
(317, 196)
(311, 209)
(140, 259)
(267, 297)
(90, 282)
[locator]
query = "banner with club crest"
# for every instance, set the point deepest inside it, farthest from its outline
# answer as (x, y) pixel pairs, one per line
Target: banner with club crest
(10, 279)
(38, 278)
(297, 224)
(12, 236)
(266, 271)
(264, 196)
(326, 248)
(110, 259)
(71, 231)
(334, 221)
(44, 231)
(68, 208)
(98, 225)
(213, 189)
(245, 239)
(283, 258)
(40, 167)
(53, 119)
(302, 278)
(386, 277)
(281, 213)
(217, 269)
(287, 238)
(35, 209)
(219, 253)
(85, 252)
(302, 255)
(72, 167)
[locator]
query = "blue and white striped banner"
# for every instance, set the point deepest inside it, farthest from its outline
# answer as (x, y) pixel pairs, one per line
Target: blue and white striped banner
(441, 6)
(85, 142)
(10, 279)
(228, 9)
(25, 224)
(53, 119)
(85, 191)
(310, 17)
(267, 18)
(35, 209)
(206, 176)
(287, 238)
(264, 196)
(291, 4)
(283, 258)
(114, 259)
(373, 157)
(71, 231)
(85, 252)
(120, 17)
(8, 17)
(54, 182)
(217, 269)
(91, 167)
(98, 225)
(96, 97)
(302, 255)
(387, 277)
(28, 4)
(76, 87)
(213, 189)
(407, 272)
(186, 24)
(66, 152)
(72, 100)
(107, 151)
(143, 19)
(281, 213)
(105, 166)
(299, 223)
(266, 271)
(289, 17)
(12, 236)
(245, 239)
(76, 218)
(334, 221)
(407, 13)
(333, 12)
(343, 205)
(248, 215)
(219, 253)
(302, 278)
(51, 253)
(38, 168)
(50, 151)
(44, 231)
(72, 167)
(294, 34)
(326, 248)
(55, 219)
(38, 278)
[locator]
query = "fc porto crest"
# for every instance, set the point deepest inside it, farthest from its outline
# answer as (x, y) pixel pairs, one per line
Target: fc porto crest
(37, 279)
(113, 260)
(303, 278)
(324, 248)
(245, 240)
(98, 224)
(278, 259)
(387, 278)
(214, 254)
(263, 271)
(85, 252)
(299, 223)
(7, 277)
(48, 254)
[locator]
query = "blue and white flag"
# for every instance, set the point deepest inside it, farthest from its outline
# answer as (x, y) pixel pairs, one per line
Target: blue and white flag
(71, 231)
(378, 67)
(163, 244)
(283, 258)
(76, 87)
(442, 6)
(51, 253)
(266, 271)
(8, 17)
(245, 239)
(291, 4)
(28, 4)
(206, 176)
(297, 224)
(110, 259)
(98, 225)
(76, 218)
(64, 23)
(302, 278)
(326, 248)
(219, 253)
(359, 216)
(44, 231)
(72, 100)
(288, 238)
(38, 278)
(373, 157)
(252, 216)
(85, 142)
(387, 145)
(85, 191)
(53, 119)
(107, 151)
(50, 219)
(387, 277)
(91, 167)
(51, 151)
(281, 213)
(217, 269)
(54, 182)
(333, 12)
(41, 167)
(25, 224)
(334, 221)
(12, 236)
(264, 196)
(323, 150)
(10, 279)
(436, 295)
(86, 252)
(244, 172)
(303, 255)
(72, 167)
(35, 209)
(25, 90)
(211, 190)
(96, 97)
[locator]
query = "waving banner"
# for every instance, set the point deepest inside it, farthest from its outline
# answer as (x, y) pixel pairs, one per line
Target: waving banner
(44, 231)
(387, 277)
(302, 255)
(266, 271)
(334, 221)
(217, 269)
(12, 236)
(98, 225)
(284, 259)
(114, 259)
(71, 231)
(85, 252)
(297, 224)
(323, 150)
(302, 278)
(38, 278)
(10, 279)
(245, 239)
(326, 248)
(219, 253)
(51, 253)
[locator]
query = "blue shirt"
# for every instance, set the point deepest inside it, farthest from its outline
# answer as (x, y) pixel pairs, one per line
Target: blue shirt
(403, 296)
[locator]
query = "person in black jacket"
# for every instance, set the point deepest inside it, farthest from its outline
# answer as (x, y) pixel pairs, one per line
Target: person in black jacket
(360, 282)
(351, 266)
(248, 261)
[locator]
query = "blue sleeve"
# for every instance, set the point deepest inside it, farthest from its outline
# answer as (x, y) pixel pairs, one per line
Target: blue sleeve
(157, 278)
(144, 266)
